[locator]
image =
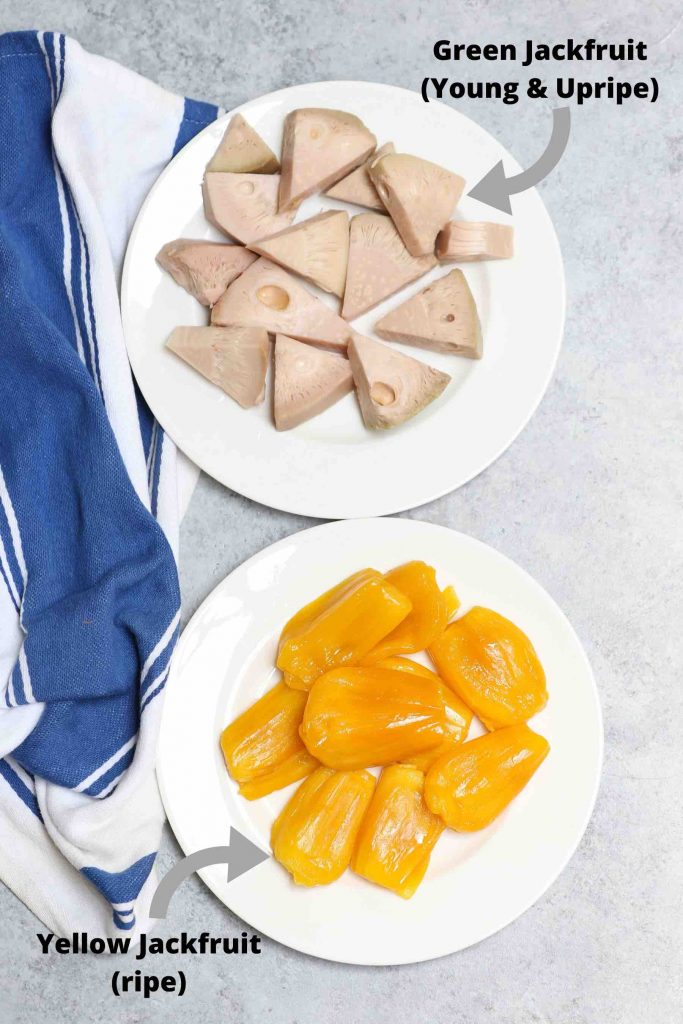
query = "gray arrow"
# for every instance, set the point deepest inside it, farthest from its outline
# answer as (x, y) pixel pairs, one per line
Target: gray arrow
(241, 855)
(495, 189)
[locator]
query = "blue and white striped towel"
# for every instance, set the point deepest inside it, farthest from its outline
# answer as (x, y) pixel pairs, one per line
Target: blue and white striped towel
(89, 486)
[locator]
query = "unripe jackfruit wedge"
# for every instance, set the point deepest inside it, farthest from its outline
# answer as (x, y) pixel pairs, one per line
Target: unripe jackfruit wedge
(470, 786)
(398, 832)
(262, 747)
(315, 835)
(419, 195)
(463, 241)
(357, 186)
(360, 717)
(267, 296)
(391, 387)
(319, 147)
(317, 249)
(234, 358)
(307, 381)
(442, 317)
(204, 269)
(492, 666)
(244, 206)
(243, 151)
(379, 264)
(339, 627)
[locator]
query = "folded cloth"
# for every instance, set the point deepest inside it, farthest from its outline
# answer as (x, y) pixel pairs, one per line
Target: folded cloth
(89, 596)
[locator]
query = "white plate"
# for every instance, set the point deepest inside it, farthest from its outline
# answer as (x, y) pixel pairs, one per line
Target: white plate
(332, 467)
(476, 883)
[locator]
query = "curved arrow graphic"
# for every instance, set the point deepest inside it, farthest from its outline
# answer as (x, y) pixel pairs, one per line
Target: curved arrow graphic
(495, 189)
(240, 856)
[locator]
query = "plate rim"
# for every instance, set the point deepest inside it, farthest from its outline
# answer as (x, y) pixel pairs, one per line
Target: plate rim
(206, 874)
(377, 509)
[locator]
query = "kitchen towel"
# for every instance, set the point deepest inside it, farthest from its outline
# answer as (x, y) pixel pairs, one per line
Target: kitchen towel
(89, 490)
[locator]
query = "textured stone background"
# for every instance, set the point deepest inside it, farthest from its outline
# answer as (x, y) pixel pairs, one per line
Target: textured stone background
(588, 499)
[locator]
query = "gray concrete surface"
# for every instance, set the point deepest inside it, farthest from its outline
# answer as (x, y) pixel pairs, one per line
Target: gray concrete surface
(588, 499)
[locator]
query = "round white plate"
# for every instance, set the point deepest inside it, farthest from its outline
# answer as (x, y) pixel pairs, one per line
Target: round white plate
(475, 883)
(332, 467)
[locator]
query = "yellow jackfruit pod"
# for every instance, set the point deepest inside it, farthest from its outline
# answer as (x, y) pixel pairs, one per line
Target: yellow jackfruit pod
(262, 748)
(428, 616)
(339, 627)
(458, 714)
(359, 717)
(398, 832)
(315, 835)
(492, 666)
(469, 787)
(302, 619)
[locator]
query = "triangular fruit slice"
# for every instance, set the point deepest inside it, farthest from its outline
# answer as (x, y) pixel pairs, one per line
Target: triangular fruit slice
(442, 317)
(391, 387)
(234, 358)
(244, 206)
(243, 151)
(319, 147)
(357, 186)
(379, 264)
(204, 269)
(307, 381)
(419, 195)
(316, 249)
(267, 296)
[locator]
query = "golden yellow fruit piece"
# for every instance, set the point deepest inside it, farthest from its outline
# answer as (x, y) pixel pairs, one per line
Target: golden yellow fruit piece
(262, 748)
(492, 666)
(398, 832)
(427, 618)
(469, 787)
(339, 627)
(458, 714)
(358, 717)
(315, 835)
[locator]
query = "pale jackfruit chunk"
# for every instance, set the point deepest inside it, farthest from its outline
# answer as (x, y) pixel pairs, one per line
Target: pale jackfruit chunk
(307, 381)
(243, 151)
(419, 195)
(319, 147)
(204, 269)
(234, 358)
(267, 296)
(357, 186)
(391, 387)
(379, 264)
(462, 241)
(317, 249)
(244, 206)
(442, 317)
